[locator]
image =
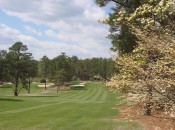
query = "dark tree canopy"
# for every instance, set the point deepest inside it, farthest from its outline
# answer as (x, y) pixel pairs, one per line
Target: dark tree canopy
(121, 36)
(19, 63)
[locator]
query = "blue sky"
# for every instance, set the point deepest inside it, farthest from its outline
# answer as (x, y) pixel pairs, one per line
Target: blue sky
(49, 27)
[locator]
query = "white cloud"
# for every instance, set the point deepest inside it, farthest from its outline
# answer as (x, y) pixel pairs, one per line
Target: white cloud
(29, 29)
(51, 49)
(74, 24)
(50, 33)
(8, 31)
(42, 11)
(93, 13)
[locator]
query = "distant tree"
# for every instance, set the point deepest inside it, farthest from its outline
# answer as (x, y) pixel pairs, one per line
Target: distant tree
(32, 71)
(98, 67)
(18, 60)
(43, 68)
(85, 64)
(80, 69)
(3, 54)
(4, 66)
(63, 69)
(74, 63)
(94, 67)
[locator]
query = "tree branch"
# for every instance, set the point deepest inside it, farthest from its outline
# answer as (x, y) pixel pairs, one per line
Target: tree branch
(122, 4)
(163, 94)
(138, 2)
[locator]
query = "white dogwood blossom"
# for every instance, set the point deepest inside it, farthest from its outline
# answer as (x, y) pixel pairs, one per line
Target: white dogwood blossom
(148, 73)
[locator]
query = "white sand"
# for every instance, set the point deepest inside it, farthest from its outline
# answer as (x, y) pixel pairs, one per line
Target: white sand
(47, 85)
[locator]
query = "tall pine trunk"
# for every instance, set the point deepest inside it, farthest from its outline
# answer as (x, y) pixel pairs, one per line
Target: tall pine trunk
(45, 84)
(29, 86)
(16, 87)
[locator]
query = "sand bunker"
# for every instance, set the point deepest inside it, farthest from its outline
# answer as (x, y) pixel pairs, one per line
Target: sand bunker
(47, 85)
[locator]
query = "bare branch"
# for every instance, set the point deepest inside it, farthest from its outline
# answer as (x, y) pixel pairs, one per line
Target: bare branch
(163, 94)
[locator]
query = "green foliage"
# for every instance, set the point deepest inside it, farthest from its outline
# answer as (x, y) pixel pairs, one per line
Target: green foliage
(43, 67)
(102, 67)
(61, 69)
(124, 41)
(4, 67)
(21, 66)
(121, 36)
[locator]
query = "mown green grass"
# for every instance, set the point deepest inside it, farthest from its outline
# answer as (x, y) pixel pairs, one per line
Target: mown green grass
(91, 108)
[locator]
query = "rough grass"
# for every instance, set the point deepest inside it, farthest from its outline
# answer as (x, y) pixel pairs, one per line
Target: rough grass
(84, 109)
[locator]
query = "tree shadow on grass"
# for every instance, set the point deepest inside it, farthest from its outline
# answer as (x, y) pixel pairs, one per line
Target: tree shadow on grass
(10, 99)
(6, 86)
(40, 96)
(78, 88)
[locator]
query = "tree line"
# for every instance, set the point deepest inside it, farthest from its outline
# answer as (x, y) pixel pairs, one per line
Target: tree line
(63, 68)
(18, 66)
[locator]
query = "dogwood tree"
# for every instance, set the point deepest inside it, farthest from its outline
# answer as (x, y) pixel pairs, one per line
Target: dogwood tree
(148, 73)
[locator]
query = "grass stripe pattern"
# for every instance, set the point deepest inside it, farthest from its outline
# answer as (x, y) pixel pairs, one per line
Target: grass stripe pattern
(90, 108)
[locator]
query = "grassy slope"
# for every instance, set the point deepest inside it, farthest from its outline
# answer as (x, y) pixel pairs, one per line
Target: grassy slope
(87, 109)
